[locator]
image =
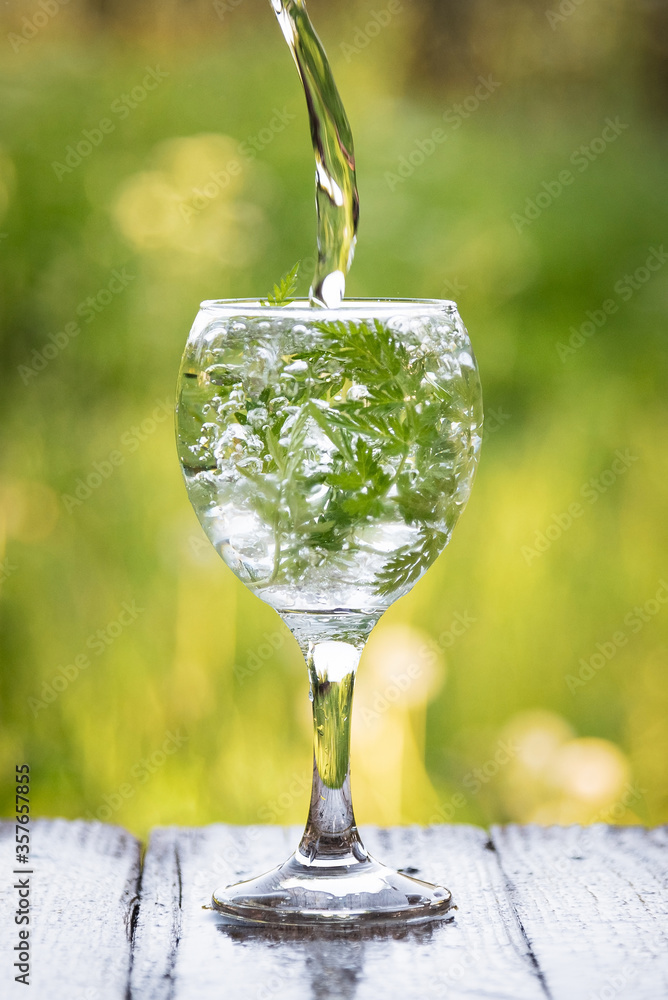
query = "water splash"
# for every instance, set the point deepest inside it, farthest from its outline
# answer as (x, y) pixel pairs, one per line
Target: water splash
(337, 200)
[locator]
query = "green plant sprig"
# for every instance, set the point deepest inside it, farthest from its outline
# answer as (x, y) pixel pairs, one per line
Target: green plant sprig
(390, 421)
(282, 294)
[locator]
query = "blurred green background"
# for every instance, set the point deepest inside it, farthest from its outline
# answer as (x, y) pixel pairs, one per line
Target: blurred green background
(139, 679)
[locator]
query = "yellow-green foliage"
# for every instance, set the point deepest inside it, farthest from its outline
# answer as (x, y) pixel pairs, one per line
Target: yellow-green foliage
(473, 700)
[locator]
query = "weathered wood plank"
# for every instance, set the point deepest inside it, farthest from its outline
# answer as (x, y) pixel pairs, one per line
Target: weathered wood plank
(183, 951)
(83, 894)
(566, 914)
(593, 905)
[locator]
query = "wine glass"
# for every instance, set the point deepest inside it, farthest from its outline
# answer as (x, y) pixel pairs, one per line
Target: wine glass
(328, 454)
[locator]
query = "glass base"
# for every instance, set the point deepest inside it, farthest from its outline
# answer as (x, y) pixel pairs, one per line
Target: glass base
(347, 891)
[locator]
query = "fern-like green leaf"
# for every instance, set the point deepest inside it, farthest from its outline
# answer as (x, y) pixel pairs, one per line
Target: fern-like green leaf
(282, 293)
(410, 562)
(385, 413)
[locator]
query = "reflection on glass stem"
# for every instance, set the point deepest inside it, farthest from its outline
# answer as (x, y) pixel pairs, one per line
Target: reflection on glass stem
(330, 830)
(332, 703)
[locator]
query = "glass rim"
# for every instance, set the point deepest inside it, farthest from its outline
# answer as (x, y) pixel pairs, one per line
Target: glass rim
(303, 305)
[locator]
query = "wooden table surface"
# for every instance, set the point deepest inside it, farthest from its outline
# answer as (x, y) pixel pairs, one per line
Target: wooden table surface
(567, 913)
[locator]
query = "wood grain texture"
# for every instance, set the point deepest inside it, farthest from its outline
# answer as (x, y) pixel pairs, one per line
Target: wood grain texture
(542, 914)
(183, 951)
(593, 905)
(83, 894)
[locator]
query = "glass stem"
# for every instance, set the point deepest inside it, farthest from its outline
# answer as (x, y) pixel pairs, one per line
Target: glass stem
(331, 834)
